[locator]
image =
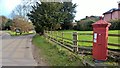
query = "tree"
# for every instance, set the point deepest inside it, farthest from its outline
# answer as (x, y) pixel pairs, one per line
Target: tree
(86, 23)
(23, 8)
(69, 12)
(46, 16)
(115, 24)
(20, 23)
(49, 15)
(8, 24)
(3, 22)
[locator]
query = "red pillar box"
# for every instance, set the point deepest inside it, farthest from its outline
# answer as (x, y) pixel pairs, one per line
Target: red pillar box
(100, 40)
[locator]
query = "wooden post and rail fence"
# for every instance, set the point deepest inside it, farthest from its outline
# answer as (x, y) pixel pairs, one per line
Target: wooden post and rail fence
(73, 46)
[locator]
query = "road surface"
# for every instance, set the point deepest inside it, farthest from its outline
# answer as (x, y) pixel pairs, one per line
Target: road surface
(17, 50)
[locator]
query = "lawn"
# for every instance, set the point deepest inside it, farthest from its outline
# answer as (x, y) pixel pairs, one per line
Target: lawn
(68, 34)
(54, 54)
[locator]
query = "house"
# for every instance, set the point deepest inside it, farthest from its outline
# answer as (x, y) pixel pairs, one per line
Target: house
(74, 23)
(114, 13)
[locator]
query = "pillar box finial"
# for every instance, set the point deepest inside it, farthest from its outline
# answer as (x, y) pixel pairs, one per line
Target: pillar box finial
(101, 23)
(101, 18)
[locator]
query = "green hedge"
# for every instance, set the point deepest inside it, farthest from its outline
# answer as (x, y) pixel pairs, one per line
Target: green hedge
(84, 25)
(87, 25)
(115, 24)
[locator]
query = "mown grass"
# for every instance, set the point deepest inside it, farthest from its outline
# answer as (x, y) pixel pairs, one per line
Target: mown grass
(13, 33)
(54, 54)
(68, 34)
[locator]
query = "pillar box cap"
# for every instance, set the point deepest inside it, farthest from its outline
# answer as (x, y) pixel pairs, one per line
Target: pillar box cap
(101, 23)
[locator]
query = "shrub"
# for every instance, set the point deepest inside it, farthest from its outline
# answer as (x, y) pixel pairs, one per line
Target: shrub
(115, 24)
(84, 25)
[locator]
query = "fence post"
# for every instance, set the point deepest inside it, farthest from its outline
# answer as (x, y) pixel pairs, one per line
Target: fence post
(45, 34)
(75, 43)
(50, 34)
(62, 38)
(56, 35)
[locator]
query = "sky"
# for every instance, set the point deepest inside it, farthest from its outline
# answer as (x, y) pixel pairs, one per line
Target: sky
(6, 6)
(93, 7)
(84, 8)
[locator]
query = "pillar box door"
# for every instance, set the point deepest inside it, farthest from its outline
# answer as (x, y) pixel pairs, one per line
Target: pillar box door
(100, 40)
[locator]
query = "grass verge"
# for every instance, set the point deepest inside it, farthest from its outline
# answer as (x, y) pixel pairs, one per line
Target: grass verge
(108, 62)
(12, 33)
(55, 55)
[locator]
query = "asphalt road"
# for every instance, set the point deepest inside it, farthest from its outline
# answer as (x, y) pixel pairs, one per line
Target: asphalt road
(16, 50)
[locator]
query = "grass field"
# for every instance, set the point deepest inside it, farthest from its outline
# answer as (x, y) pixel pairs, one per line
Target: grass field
(68, 34)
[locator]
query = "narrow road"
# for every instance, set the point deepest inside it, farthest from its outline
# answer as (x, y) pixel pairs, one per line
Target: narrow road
(17, 50)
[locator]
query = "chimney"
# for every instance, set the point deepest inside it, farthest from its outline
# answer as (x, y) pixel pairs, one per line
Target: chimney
(118, 4)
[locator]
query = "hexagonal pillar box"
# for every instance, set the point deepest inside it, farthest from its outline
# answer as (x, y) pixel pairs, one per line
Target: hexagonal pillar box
(100, 40)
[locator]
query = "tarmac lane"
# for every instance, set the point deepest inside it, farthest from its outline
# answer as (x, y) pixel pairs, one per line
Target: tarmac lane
(17, 50)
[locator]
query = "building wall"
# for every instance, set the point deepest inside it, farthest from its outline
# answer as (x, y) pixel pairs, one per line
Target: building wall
(107, 17)
(118, 14)
(115, 15)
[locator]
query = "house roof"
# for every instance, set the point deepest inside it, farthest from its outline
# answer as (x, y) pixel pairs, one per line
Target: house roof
(111, 10)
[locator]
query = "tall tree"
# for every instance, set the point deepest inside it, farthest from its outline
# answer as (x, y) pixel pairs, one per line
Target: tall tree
(3, 22)
(46, 16)
(69, 12)
(49, 15)
(8, 24)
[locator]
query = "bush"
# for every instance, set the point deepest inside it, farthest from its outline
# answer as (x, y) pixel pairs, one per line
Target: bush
(115, 24)
(87, 24)
(84, 25)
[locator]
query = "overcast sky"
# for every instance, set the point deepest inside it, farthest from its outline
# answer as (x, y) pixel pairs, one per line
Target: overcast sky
(93, 7)
(84, 8)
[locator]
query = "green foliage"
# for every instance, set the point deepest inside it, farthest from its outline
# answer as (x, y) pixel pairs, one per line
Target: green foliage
(54, 54)
(45, 16)
(69, 12)
(115, 24)
(2, 22)
(5, 23)
(86, 23)
(8, 24)
(49, 15)
(109, 61)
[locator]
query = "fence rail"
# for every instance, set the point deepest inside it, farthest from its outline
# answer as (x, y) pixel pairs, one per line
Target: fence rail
(73, 46)
(115, 35)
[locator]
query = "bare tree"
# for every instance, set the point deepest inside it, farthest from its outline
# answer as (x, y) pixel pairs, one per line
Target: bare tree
(23, 8)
